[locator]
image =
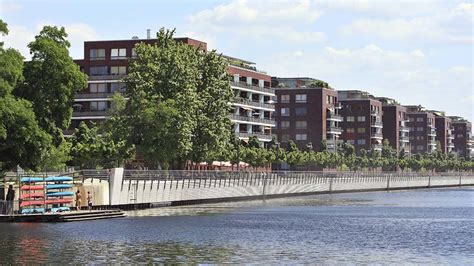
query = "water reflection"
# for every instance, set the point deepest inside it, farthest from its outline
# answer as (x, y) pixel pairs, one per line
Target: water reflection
(427, 227)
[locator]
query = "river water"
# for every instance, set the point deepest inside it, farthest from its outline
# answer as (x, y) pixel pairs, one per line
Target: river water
(416, 227)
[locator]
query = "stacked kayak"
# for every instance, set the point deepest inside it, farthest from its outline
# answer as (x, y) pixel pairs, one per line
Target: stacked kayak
(38, 193)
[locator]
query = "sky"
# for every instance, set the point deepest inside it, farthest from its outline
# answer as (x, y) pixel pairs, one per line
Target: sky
(418, 52)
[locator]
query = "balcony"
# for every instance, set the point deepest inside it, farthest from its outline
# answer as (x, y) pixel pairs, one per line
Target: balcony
(250, 120)
(404, 129)
(107, 77)
(338, 106)
(90, 115)
(450, 136)
(376, 124)
(243, 85)
(248, 102)
(374, 113)
(84, 96)
(376, 136)
(334, 130)
(334, 117)
(432, 133)
(404, 139)
(431, 143)
(260, 136)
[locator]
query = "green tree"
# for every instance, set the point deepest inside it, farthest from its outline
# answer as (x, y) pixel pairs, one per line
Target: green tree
(51, 80)
(22, 141)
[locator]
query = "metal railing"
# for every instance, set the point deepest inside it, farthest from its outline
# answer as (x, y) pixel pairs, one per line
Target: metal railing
(334, 130)
(376, 123)
(106, 77)
(100, 95)
(260, 136)
(89, 113)
(249, 102)
(334, 117)
(252, 119)
(252, 87)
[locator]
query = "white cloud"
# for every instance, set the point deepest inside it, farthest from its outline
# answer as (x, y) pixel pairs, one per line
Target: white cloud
(283, 20)
(19, 37)
(452, 26)
(407, 76)
(8, 7)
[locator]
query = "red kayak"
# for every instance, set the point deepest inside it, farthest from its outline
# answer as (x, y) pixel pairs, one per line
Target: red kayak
(32, 187)
(32, 195)
(41, 202)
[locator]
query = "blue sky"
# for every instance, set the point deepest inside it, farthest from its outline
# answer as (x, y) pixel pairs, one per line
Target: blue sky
(418, 52)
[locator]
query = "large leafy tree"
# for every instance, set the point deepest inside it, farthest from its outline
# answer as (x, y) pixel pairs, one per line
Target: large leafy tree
(22, 141)
(178, 103)
(51, 80)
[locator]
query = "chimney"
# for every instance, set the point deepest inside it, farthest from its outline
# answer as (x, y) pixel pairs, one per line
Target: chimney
(148, 33)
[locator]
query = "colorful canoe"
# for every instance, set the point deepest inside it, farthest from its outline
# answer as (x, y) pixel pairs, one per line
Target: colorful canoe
(41, 202)
(58, 179)
(60, 194)
(60, 209)
(32, 187)
(58, 186)
(32, 195)
(31, 179)
(29, 211)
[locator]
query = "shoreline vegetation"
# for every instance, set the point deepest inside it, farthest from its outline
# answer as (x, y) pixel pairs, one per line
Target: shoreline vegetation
(175, 117)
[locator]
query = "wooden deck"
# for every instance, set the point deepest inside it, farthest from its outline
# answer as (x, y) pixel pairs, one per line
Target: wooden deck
(71, 216)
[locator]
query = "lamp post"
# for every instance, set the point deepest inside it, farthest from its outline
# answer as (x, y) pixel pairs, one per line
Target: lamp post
(278, 155)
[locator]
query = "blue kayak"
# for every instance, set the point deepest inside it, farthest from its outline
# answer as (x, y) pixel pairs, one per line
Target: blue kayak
(31, 179)
(58, 186)
(60, 209)
(60, 194)
(29, 211)
(58, 178)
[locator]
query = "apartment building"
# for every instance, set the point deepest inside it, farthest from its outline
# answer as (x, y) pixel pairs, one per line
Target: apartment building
(463, 140)
(106, 64)
(444, 132)
(362, 120)
(395, 129)
(306, 113)
(422, 129)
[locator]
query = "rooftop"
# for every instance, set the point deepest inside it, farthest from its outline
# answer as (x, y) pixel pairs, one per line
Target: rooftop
(354, 95)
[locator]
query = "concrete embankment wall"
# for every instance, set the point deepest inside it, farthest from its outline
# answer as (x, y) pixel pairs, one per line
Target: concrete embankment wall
(175, 188)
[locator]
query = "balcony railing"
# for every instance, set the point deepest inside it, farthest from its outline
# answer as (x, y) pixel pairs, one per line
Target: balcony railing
(450, 136)
(254, 103)
(376, 135)
(404, 139)
(260, 136)
(431, 143)
(377, 147)
(431, 133)
(93, 95)
(107, 77)
(334, 117)
(252, 119)
(89, 113)
(252, 87)
(376, 124)
(404, 129)
(334, 130)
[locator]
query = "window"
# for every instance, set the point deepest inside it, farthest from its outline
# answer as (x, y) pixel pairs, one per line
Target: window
(285, 138)
(361, 130)
(330, 99)
(117, 87)
(118, 70)
(419, 129)
(361, 118)
(118, 53)
(350, 130)
(301, 124)
(419, 119)
(460, 136)
(300, 98)
(285, 111)
(98, 106)
(411, 119)
(420, 147)
(351, 141)
(420, 137)
(98, 87)
(300, 137)
(300, 111)
(285, 98)
(134, 53)
(97, 54)
(361, 141)
(350, 119)
(284, 124)
(98, 71)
